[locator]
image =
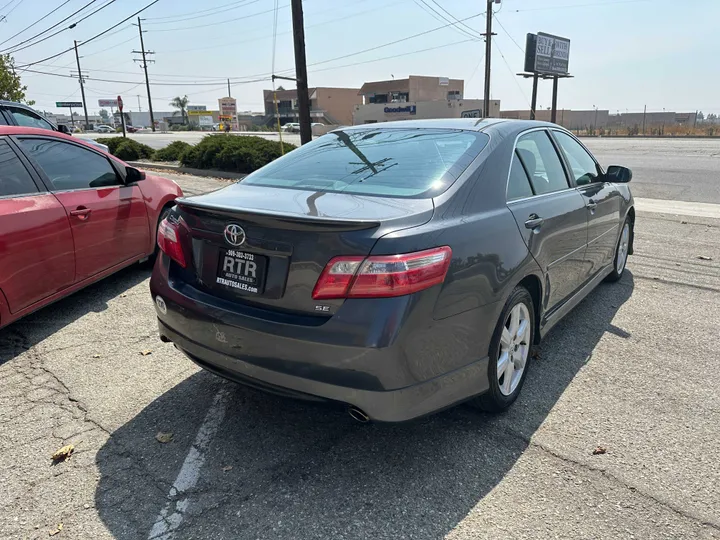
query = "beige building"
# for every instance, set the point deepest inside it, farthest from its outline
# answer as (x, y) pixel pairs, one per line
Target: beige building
(567, 118)
(327, 105)
(414, 88)
(422, 110)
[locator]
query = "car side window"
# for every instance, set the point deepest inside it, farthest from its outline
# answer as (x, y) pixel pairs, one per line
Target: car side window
(71, 167)
(518, 183)
(29, 119)
(584, 168)
(542, 163)
(14, 178)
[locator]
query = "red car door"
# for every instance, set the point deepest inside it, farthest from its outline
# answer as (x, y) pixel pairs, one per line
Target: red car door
(108, 219)
(36, 245)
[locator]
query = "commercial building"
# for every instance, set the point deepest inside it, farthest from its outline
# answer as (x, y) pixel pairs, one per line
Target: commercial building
(413, 89)
(422, 110)
(417, 97)
(332, 106)
(570, 119)
(665, 118)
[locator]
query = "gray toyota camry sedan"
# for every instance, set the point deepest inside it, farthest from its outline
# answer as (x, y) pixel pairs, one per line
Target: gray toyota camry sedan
(395, 268)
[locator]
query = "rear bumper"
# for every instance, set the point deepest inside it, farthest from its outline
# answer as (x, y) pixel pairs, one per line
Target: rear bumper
(382, 406)
(388, 357)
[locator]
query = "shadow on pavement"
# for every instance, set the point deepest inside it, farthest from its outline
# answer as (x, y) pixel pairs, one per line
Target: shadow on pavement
(302, 470)
(33, 329)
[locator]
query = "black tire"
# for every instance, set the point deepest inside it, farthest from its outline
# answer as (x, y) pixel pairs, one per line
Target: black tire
(163, 215)
(616, 275)
(494, 400)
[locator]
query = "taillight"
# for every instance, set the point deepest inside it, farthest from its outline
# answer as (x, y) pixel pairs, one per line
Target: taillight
(382, 275)
(168, 240)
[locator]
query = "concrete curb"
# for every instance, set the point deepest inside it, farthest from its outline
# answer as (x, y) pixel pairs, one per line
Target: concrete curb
(187, 170)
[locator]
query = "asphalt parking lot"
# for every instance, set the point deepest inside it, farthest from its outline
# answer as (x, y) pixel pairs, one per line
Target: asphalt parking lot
(632, 370)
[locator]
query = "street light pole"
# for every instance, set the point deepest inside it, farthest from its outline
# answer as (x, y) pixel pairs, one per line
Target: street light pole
(82, 88)
(301, 72)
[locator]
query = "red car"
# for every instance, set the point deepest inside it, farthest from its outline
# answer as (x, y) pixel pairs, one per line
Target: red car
(70, 215)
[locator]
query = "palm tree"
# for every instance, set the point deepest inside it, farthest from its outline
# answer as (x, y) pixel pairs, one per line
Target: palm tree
(181, 103)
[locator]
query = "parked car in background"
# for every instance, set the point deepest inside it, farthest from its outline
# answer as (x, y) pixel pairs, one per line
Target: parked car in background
(18, 114)
(399, 268)
(291, 127)
(70, 215)
(101, 128)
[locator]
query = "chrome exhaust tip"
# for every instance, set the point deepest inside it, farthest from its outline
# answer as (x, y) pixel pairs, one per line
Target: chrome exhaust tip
(358, 415)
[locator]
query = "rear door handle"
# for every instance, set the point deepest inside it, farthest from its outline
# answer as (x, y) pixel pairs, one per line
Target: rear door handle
(591, 205)
(81, 213)
(534, 221)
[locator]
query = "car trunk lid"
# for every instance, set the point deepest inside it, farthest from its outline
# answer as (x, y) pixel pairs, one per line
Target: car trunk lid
(267, 246)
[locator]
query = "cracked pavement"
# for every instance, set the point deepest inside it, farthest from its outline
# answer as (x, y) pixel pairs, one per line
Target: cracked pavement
(633, 369)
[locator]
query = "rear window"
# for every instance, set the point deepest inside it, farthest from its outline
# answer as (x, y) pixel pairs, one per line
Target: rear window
(411, 163)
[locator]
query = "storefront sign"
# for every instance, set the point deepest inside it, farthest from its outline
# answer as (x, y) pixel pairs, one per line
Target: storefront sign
(409, 109)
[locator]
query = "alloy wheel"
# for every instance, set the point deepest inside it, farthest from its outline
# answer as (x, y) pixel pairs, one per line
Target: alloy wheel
(514, 349)
(622, 252)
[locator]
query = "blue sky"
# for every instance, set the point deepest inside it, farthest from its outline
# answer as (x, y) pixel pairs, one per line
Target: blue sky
(624, 53)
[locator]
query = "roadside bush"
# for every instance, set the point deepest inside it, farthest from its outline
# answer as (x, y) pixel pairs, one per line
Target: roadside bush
(241, 154)
(171, 152)
(126, 151)
(142, 151)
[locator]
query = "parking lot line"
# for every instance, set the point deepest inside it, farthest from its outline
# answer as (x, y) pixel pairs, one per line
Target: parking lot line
(166, 522)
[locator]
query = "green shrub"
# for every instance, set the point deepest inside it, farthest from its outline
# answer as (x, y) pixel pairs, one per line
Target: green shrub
(126, 151)
(241, 154)
(171, 152)
(143, 151)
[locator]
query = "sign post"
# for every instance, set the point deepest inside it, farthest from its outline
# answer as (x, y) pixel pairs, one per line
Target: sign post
(69, 105)
(122, 116)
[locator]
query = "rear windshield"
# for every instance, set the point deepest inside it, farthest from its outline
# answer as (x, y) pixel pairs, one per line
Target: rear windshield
(375, 161)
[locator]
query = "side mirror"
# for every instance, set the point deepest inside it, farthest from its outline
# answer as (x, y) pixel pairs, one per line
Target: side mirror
(133, 175)
(62, 128)
(616, 173)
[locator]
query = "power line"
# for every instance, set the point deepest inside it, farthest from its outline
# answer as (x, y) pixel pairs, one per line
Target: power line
(508, 35)
(95, 36)
(193, 27)
(33, 24)
(472, 30)
(442, 18)
(242, 4)
(4, 17)
(193, 12)
(544, 8)
(51, 27)
(73, 25)
(512, 74)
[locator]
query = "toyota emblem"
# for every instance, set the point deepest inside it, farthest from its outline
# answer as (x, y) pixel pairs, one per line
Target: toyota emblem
(234, 234)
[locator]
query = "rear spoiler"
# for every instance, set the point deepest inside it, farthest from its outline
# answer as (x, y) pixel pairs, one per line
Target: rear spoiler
(279, 220)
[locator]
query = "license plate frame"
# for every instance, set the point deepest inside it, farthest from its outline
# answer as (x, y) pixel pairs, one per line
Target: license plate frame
(241, 272)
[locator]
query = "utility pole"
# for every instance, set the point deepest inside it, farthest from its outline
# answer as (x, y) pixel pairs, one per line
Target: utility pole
(644, 113)
(139, 108)
(82, 88)
(145, 61)
(301, 72)
(229, 95)
(488, 55)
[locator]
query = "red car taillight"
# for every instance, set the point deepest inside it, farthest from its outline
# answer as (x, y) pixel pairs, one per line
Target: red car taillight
(382, 275)
(169, 241)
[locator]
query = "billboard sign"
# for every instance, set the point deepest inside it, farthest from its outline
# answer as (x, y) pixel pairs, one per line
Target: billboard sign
(107, 103)
(547, 54)
(196, 108)
(65, 104)
(205, 120)
(192, 112)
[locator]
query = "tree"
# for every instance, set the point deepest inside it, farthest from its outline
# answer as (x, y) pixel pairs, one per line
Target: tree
(181, 104)
(700, 116)
(104, 115)
(10, 86)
